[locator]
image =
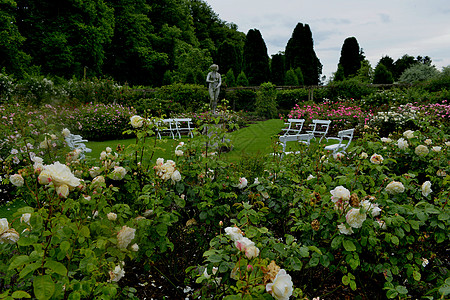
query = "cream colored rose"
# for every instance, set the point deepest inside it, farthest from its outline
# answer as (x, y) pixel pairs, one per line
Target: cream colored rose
(426, 188)
(243, 243)
(436, 149)
(111, 216)
(176, 176)
(447, 143)
(402, 143)
(344, 230)
(395, 187)
(355, 218)
(16, 180)
(251, 252)
(376, 159)
(116, 274)
(421, 150)
(363, 155)
(242, 183)
(386, 140)
(282, 286)
(118, 173)
(234, 233)
(340, 193)
(428, 142)
(94, 171)
(65, 132)
(10, 236)
(179, 152)
(4, 225)
(371, 207)
(409, 134)
(62, 190)
(25, 218)
(136, 121)
(135, 247)
(60, 174)
(382, 224)
(98, 181)
(125, 236)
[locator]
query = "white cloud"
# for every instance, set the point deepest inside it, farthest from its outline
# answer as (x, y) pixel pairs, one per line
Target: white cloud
(382, 27)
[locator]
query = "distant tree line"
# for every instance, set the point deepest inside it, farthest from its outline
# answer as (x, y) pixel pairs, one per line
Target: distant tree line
(160, 42)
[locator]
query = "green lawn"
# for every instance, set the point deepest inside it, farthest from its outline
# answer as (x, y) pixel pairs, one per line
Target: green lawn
(255, 138)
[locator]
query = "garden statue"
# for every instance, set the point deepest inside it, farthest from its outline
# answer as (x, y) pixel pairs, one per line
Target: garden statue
(215, 80)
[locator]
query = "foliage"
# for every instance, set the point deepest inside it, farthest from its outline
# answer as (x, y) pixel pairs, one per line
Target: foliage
(189, 97)
(242, 80)
(266, 105)
(300, 53)
(291, 78)
(242, 100)
(350, 88)
(256, 60)
(369, 223)
(351, 57)
(382, 75)
(417, 73)
(278, 69)
(230, 80)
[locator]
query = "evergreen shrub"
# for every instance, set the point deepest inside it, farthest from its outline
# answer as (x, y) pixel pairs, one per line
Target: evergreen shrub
(350, 88)
(189, 96)
(266, 105)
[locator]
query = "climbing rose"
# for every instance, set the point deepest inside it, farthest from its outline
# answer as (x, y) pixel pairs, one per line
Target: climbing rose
(282, 287)
(340, 193)
(426, 188)
(242, 183)
(355, 218)
(376, 159)
(402, 143)
(16, 180)
(408, 134)
(344, 230)
(421, 150)
(125, 236)
(395, 187)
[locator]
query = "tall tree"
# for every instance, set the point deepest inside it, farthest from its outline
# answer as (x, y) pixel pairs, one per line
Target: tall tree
(278, 68)
(300, 53)
(64, 37)
(388, 62)
(351, 57)
(256, 60)
(229, 56)
(382, 75)
(12, 57)
(402, 64)
(132, 56)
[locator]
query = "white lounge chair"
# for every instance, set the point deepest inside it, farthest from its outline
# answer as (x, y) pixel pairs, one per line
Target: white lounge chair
(294, 126)
(341, 146)
(319, 128)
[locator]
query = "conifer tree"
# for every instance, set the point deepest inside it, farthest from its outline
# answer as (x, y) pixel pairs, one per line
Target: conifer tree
(300, 53)
(278, 69)
(351, 57)
(242, 79)
(382, 75)
(256, 60)
(290, 78)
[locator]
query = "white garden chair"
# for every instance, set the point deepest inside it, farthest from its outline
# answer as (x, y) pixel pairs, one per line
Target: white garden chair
(76, 141)
(304, 138)
(319, 128)
(341, 146)
(294, 126)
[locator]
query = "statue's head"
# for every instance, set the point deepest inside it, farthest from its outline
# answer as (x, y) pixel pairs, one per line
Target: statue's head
(214, 67)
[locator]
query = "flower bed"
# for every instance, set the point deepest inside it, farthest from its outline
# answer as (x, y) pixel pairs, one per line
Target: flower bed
(371, 223)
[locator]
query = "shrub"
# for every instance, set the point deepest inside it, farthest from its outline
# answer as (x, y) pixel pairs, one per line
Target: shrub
(350, 88)
(266, 106)
(417, 73)
(242, 99)
(189, 97)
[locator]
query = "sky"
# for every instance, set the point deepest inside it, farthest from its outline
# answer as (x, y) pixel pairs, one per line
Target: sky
(381, 27)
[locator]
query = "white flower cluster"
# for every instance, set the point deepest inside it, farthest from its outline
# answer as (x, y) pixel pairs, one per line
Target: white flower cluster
(399, 117)
(167, 170)
(118, 272)
(125, 236)
(395, 187)
(108, 158)
(242, 243)
(7, 235)
(178, 151)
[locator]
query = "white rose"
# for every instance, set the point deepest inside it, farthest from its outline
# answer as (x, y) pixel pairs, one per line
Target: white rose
(344, 230)
(208, 276)
(25, 218)
(243, 243)
(386, 140)
(310, 177)
(355, 218)
(116, 274)
(108, 149)
(65, 132)
(62, 190)
(234, 233)
(136, 121)
(371, 207)
(16, 180)
(363, 155)
(118, 173)
(4, 225)
(376, 159)
(436, 149)
(125, 236)
(426, 188)
(340, 193)
(242, 183)
(95, 171)
(402, 143)
(10, 236)
(447, 143)
(408, 134)
(59, 174)
(282, 286)
(135, 247)
(428, 141)
(97, 181)
(176, 176)
(382, 224)
(179, 152)
(421, 150)
(395, 187)
(111, 216)
(251, 252)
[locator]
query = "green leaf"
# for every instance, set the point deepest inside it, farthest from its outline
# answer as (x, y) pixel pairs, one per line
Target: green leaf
(394, 240)
(56, 267)
(345, 280)
(28, 269)
(391, 294)
(401, 289)
(27, 240)
(417, 275)
(336, 242)
(18, 261)
(84, 231)
(64, 246)
(43, 287)
(289, 239)
(20, 295)
(161, 229)
(348, 245)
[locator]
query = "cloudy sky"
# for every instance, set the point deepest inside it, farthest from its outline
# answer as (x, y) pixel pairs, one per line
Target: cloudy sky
(381, 27)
